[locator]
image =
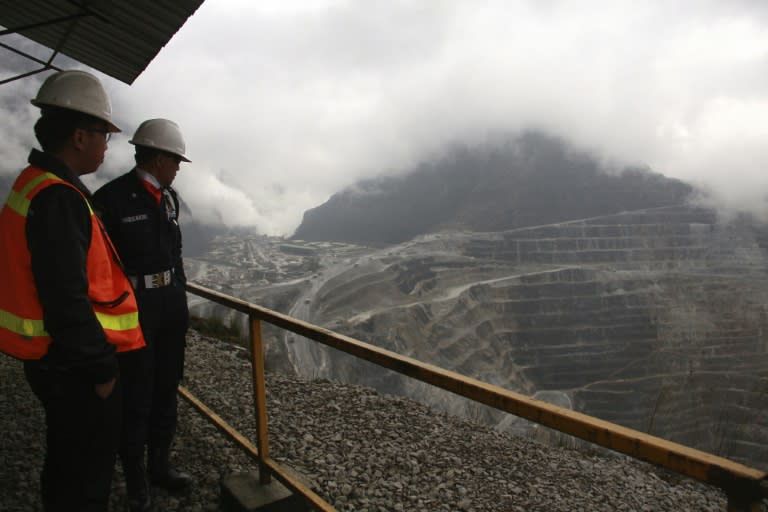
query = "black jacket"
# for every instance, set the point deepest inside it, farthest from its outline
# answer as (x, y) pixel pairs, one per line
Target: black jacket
(58, 232)
(148, 242)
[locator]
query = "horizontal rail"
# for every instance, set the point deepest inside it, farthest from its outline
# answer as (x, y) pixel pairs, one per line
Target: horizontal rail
(734, 478)
(285, 476)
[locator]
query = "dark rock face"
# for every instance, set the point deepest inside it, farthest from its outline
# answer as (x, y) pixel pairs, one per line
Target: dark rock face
(197, 236)
(532, 180)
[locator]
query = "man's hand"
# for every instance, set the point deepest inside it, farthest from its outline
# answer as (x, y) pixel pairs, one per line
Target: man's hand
(104, 390)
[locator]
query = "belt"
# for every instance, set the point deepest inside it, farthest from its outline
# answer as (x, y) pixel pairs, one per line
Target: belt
(152, 280)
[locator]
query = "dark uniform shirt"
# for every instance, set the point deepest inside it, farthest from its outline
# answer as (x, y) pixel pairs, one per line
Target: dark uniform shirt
(148, 240)
(58, 232)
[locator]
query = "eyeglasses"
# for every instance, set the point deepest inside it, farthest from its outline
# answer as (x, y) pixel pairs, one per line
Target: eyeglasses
(107, 134)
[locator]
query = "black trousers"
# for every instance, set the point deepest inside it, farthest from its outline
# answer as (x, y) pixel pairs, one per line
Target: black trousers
(82, 437)
(151, 375)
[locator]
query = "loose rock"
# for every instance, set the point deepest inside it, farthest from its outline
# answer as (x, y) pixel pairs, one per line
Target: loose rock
(373, 452)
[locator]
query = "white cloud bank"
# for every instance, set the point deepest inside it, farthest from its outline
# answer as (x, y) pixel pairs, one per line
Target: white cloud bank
(284, 103)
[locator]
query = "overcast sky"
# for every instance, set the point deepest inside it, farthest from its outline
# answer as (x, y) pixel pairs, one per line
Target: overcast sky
(283, 103)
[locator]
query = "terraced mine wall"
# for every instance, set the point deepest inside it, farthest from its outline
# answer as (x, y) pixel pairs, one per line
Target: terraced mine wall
(655, 320)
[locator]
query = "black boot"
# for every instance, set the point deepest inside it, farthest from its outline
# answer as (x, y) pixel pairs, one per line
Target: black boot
(136, 485)
(162, 474)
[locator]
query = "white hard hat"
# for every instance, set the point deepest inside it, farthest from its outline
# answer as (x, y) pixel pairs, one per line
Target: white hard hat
(78, 91)
(160, 134)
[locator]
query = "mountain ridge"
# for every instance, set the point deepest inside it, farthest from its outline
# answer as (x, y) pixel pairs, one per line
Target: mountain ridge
(531, 180)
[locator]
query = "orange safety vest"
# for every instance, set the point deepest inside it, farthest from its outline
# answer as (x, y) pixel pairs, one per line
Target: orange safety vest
(22, 333)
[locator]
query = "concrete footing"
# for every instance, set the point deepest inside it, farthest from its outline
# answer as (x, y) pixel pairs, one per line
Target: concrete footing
(242, 492)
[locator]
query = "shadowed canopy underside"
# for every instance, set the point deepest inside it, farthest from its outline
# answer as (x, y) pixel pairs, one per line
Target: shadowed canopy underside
(115, 37)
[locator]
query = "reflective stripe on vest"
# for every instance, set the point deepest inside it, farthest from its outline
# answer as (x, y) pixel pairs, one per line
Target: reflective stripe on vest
(22, 331)
(18, 201)
(22, 326)
(122, 322)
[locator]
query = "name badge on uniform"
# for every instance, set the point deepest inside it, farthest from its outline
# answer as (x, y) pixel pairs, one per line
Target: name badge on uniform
(134, 218)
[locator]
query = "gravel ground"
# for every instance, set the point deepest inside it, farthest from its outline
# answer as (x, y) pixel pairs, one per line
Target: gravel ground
(365, 451)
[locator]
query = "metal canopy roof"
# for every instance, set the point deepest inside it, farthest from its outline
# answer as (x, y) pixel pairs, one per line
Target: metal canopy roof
(118, 38)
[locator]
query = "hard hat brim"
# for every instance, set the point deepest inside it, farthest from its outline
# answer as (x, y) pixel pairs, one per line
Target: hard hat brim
(113, 128)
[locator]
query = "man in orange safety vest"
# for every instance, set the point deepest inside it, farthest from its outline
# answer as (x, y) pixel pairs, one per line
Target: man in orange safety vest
(66, 306)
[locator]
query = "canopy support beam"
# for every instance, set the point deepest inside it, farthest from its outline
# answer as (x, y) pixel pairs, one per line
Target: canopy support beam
(72, 19)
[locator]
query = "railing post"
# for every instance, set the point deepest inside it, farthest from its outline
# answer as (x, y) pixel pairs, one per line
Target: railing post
(259, 397)
(736, 480)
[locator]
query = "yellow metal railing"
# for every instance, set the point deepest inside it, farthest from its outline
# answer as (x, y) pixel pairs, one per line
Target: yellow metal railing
(744, 486)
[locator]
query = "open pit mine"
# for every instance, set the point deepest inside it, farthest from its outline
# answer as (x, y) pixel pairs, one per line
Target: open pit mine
(654, 319)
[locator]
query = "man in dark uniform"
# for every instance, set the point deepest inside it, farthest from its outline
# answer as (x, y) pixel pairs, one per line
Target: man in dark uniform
(140, 211)
(66, 307)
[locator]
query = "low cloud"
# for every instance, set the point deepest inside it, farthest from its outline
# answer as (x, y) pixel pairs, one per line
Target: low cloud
(285, 103)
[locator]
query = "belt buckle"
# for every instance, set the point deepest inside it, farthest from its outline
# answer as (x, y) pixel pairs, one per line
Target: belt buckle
(156, 280)
(159, 280)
